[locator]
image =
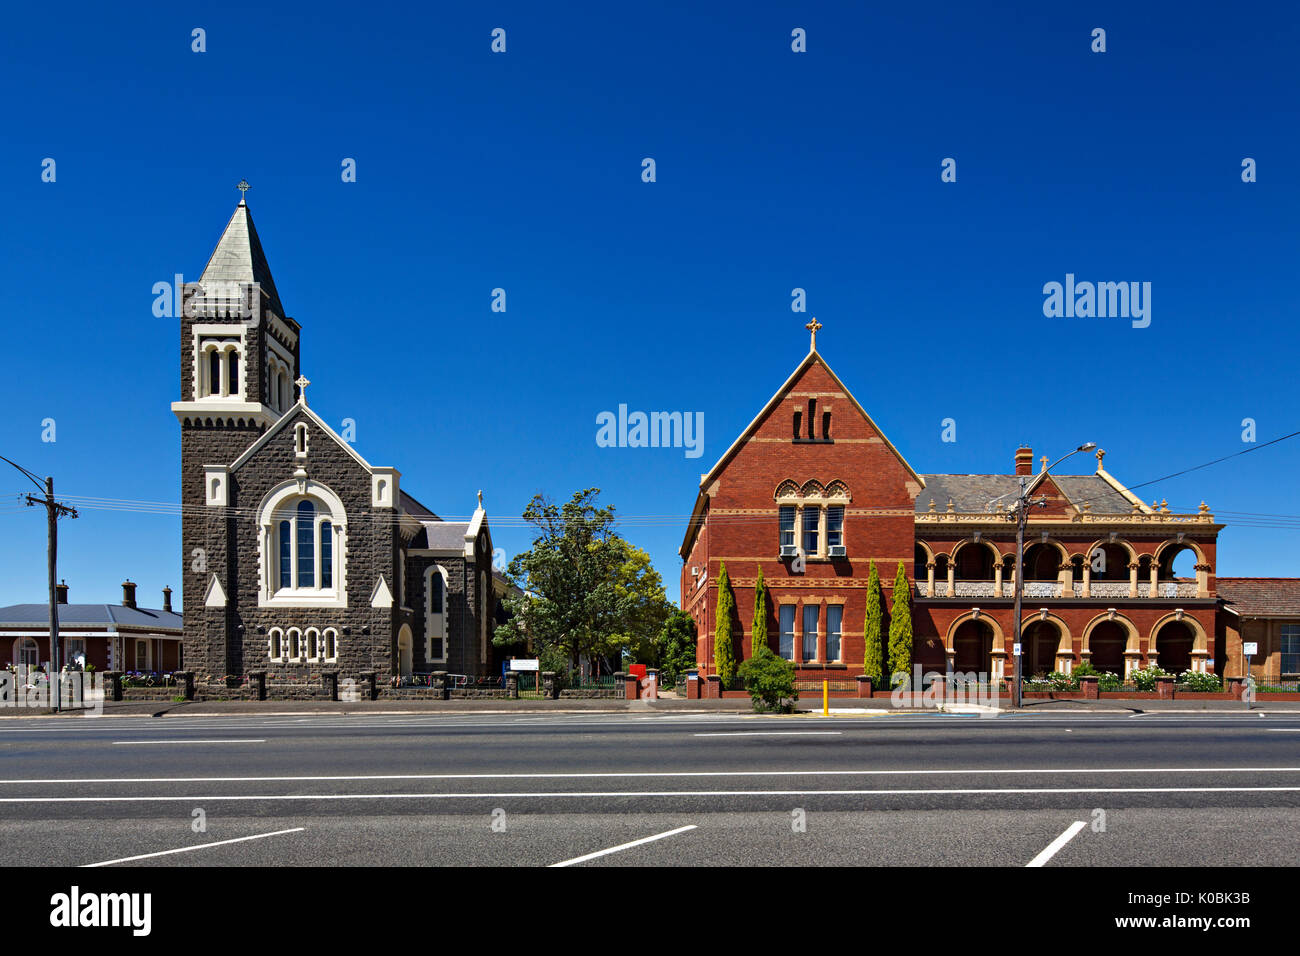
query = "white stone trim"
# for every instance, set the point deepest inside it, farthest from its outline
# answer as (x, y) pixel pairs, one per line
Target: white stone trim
(216, 594)
(384, 490)
(216, 485)
(380, 595)
(268, 513)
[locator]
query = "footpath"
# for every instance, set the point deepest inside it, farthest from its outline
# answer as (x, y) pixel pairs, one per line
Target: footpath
(807, 707)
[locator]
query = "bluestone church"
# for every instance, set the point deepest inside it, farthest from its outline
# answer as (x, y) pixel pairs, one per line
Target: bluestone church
(301, 557)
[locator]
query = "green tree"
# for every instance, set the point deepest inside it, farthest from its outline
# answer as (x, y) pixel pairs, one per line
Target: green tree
(758, 635)
(586, 591)
(900, 626)
(724, 646)
(873, 663)
(675, 647)
(769, 679)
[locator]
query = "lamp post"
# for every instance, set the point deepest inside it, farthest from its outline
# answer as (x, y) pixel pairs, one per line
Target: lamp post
(1021, 508)
(53, 511)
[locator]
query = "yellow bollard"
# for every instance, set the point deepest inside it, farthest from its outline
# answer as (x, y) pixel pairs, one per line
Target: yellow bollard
(826, 698)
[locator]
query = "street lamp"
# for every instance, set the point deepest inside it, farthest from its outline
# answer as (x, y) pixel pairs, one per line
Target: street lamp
(1021, 508)
(53, 511)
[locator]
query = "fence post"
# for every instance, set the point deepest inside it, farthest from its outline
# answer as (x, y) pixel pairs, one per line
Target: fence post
(1090, 688)
(864, 685)
(330, 682)
(185, 680)
(114, 684)
(512, 685)
(368, 677)
(441, 684)
(714, 687)
(549, 689)
(259, 684)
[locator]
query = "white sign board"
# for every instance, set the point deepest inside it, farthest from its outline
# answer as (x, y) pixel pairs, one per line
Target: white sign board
(1015, 650)
(1249, 648)
(520, 664)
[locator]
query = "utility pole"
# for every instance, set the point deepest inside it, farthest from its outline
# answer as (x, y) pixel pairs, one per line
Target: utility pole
(1021, 507)
(54, 510)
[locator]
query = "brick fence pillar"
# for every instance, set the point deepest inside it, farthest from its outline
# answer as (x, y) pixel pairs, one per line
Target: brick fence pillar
(512, 685)
(1090, 688)
(714, 687)
(550, 689)
(257, 679)
(185, 682)
(1165, 687)
(864, 685)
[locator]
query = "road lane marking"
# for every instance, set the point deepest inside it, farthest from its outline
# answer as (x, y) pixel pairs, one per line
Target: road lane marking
(181, 740)
(1052, 848)
(606, 794)
(1283, 730)
(774, 733)
(948, 772)
(190, 849)
(624, 846)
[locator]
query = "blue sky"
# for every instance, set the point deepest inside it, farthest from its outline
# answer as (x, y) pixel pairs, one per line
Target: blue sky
(775, 170)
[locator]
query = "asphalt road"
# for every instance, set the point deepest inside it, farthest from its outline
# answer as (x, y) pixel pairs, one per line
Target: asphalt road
(479, 789)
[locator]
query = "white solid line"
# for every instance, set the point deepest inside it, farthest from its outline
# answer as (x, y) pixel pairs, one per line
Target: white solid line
(624, 846)
(775, 733)
(1052, 848)
(568, 794)
(188, 849)
(181, 740)
(1283, 730)
(659, 773)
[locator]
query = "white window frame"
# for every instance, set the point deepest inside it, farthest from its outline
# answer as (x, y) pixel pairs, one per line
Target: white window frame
(281, 504)
(435, 625)
(1283, 653)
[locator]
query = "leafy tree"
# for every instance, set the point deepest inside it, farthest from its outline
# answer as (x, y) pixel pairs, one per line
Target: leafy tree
(724, 645)
(900, 626)
(586, 590)
(758, 636)
(675, 647)
(873, 662)
(769, 679)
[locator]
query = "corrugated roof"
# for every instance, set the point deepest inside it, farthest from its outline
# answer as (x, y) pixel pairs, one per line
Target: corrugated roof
(94, 615)
(1261, 597)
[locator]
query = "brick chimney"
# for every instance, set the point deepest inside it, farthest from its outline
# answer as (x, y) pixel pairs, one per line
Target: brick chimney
(1024, 460)
(61, 591)
(167, 599)
(128, 594)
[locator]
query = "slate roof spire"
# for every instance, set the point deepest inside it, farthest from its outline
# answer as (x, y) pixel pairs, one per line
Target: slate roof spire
(239, 258)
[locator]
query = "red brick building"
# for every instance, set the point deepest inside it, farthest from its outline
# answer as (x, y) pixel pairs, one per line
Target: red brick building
(813, 490)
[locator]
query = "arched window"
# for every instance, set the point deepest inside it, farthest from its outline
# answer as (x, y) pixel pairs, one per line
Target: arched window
(214, 372)
(276, 649)
(435, 616)
(286, 394)
(305, 560)
(303, 557)
(312, 651)
(232, 383)
(330, 651)
(294, 650)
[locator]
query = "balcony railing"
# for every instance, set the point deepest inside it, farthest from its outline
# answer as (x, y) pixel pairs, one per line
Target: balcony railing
(1053, 589)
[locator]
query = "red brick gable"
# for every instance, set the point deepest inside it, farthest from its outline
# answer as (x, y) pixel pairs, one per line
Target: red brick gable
(765, 454)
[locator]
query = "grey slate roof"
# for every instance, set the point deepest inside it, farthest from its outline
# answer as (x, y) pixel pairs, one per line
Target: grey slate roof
(239, 258)
(445, 535)
(417, 510)
(972, 493)
(90, 615)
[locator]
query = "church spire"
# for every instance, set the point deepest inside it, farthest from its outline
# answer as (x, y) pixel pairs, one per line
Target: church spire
(239, 259)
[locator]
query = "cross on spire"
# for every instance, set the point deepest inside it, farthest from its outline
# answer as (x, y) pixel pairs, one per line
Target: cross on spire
(302, 381)
(243, 187)
(812, 327)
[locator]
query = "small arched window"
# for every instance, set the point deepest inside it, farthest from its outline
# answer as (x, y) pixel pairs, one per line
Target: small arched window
(276, 650)
(214, 372)
(232, 384)
(294, 650)
(330, 650)
(312, 650)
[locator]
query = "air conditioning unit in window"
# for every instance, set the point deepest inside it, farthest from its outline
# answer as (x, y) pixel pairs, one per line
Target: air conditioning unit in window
(789, 551)
(836, 551)
(695, 570)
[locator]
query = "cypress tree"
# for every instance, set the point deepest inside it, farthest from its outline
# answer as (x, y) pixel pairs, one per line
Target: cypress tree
(758, 636)
(724, 648)
(900, 626)
(872, 662)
